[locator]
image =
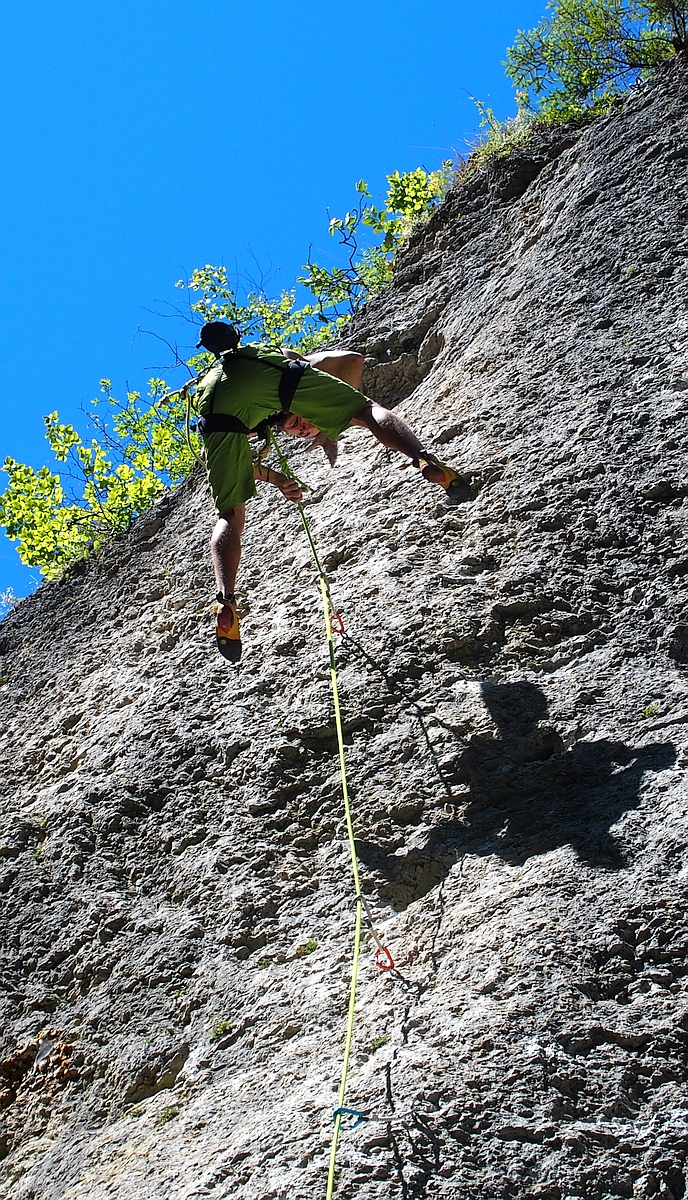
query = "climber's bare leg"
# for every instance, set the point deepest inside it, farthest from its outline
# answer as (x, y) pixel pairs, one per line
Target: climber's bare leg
(346, 365)
(225, 548)
(391, 431)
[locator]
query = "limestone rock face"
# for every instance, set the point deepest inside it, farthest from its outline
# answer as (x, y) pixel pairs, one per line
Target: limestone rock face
(177, 900)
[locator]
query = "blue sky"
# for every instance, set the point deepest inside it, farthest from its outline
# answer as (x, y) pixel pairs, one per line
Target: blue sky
(142, 140)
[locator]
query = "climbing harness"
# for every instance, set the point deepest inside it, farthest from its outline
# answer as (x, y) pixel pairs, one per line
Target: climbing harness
(290, 377)
(383, 958)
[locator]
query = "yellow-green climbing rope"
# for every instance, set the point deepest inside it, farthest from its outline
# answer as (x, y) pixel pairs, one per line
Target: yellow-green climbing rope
(357, 885)
(328, 612)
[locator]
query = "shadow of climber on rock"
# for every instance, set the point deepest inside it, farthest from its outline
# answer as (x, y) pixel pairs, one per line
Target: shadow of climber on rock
(529, 794)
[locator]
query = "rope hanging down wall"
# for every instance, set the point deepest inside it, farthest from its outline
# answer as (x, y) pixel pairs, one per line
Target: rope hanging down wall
(334, 623)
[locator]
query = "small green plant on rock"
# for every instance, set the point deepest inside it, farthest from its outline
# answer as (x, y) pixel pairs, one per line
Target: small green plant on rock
(376, 1042)
(168, 1113)
(219, 1030)
(306, 948)
(650, 710)
(498, 138)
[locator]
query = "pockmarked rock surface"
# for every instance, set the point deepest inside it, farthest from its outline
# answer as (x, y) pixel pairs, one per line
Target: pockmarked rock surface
(177, 917)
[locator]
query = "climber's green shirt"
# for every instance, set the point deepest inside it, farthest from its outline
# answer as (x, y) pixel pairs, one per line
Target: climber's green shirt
(249, 389)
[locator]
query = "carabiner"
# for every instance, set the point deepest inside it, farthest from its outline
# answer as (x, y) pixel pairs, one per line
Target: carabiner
(351, 1112)
(336, 623)
(387, 965)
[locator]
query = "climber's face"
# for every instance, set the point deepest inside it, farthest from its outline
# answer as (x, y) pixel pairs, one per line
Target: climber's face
(299, 427)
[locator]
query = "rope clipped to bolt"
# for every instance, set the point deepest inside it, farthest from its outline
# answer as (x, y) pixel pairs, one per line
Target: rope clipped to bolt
(383, 958)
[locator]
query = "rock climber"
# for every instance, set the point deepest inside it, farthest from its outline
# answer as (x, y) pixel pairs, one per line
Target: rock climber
(312, 396)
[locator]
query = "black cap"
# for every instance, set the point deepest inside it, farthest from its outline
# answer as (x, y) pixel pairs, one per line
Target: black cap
(218, 336)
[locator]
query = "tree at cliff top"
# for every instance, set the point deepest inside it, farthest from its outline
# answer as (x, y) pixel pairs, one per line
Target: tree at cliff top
(589, 51)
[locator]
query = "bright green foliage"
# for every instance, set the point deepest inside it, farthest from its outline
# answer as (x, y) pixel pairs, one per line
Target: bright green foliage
(141, 450)
(276, 321)
(51, 532)
(413, 195)
(340, 291)
(589, 51)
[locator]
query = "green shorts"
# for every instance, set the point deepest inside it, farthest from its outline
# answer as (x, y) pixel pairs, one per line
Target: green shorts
(326, 402)
(229, 463)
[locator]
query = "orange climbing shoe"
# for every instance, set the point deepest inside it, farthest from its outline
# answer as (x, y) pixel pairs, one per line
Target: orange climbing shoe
(456, 486)
(227, 634)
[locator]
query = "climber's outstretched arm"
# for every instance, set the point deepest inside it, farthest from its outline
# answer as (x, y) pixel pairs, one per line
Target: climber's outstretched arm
(289, 488)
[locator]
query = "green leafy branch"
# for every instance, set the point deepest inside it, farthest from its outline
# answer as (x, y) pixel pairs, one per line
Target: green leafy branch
(141, 450)
(576, 61)
(340, 291)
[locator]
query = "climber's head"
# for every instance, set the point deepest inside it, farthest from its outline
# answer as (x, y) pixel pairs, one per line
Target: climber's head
(218, 337)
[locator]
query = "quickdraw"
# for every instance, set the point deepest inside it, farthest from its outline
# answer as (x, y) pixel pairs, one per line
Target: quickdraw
(350, 1112)
(387, 965)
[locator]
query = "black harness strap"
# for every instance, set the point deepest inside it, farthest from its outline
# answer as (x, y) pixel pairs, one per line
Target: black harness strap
(220, 423)
(289, 382)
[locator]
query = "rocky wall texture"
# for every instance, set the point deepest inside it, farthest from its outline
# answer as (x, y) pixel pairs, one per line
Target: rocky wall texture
(177, 918)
